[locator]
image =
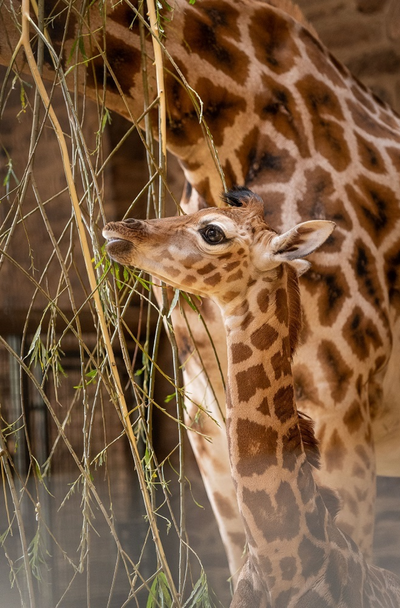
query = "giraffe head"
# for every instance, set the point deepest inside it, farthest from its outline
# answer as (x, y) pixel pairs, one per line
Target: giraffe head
(214, 252)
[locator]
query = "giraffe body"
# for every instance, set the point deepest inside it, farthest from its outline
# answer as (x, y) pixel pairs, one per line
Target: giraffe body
(293, 124)
(297, 555)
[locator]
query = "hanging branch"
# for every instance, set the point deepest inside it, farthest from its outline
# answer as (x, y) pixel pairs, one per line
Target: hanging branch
(24, 43)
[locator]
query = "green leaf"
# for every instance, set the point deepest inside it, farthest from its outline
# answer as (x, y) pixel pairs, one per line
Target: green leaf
(199, 598)
(106, 119)
(81, 46)
(159, 593)
(174, 302)
(189, 301)
(35, 339)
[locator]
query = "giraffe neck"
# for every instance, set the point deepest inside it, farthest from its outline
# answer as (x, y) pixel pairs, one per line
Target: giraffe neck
(277, 497)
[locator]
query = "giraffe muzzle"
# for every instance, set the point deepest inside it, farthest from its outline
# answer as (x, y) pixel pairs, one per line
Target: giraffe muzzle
(121, 239)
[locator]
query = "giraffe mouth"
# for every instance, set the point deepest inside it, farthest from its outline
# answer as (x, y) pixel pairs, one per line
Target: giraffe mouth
(112, 235)
(118, 248)
(115, 239)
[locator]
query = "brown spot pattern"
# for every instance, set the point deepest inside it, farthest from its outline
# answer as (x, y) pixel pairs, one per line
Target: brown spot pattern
(305, 388)
(231, 295)
(231, 265)
(238, 539)
(281, 306)
(191, 260)
(263, 337)
(249, 381)
(172, 271)
(353, 418)
(257, 445)
(330, 284)
(235, 276)
(246, 595)
(284, 403)
(220, 111)
(320, 202)
(249, 318)
(363, 95)
(337, 576)
(263, 300)
(364, 456)
(337, 372)
(369, 123)
(125, 62)
(325, 110)
(362, 334)
(240, 352)
(224, 506)
(189, 280)
(394, 154)
(335, 452)
(276, 521)
(206, 269)
(211, 32)
(324, 63)
(376, 206)
(284, 597)
(273, 40)
(123, 15)
(288, 568)
(64, 26)
(370, 156)
(263, 161)
(273, 207)
(311, 558)
(392, 273)
(213, 280)
(264, 407)
(281, 364)
(363, 261)
(276, 104)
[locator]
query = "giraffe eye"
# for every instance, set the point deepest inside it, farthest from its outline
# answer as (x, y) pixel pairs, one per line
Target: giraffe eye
(213, 234)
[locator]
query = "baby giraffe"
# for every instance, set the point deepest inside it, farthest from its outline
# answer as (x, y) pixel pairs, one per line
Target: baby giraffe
(297, 556)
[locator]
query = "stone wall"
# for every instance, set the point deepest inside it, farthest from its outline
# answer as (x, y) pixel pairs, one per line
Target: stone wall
(365, 36)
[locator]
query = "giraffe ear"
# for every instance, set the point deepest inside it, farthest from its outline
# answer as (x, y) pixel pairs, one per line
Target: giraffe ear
(295, 244)
(300, 241)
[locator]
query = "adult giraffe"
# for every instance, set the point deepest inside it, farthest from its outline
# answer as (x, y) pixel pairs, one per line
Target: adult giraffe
(291, 123)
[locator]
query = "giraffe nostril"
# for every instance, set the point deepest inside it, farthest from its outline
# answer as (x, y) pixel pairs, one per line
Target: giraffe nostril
(130, 221)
